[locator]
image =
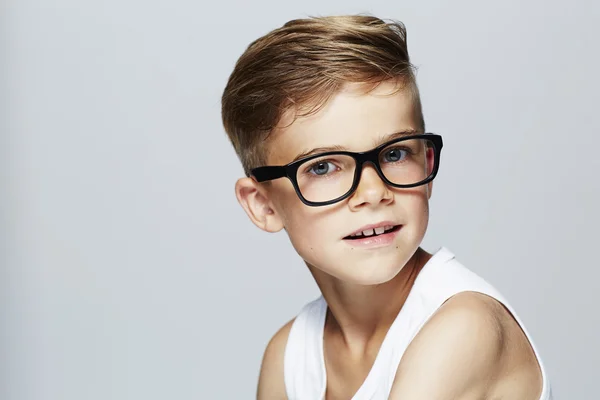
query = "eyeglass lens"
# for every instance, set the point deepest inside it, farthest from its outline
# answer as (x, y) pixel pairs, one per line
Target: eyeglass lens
(403, 163)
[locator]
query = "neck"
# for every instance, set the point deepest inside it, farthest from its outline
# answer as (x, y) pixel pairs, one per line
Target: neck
(360, 313)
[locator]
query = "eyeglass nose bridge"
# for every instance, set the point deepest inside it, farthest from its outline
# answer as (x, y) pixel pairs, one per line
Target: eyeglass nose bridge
(371, 157)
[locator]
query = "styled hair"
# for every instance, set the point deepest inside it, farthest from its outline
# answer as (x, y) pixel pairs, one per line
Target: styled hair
(301, 65)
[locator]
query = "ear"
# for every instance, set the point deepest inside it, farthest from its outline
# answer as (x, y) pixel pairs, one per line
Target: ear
(254, 200)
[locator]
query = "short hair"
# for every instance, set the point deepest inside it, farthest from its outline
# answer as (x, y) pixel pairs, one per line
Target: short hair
(300, 66)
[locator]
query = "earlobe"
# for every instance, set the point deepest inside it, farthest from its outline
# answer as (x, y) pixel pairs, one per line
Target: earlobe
(255, 202)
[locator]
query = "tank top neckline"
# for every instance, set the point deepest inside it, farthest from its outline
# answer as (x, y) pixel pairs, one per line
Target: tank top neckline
(369, 385)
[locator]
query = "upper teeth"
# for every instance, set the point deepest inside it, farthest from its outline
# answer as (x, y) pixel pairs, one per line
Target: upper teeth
(376, 231)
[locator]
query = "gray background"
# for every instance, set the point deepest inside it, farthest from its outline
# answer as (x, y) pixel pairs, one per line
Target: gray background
(130, 272)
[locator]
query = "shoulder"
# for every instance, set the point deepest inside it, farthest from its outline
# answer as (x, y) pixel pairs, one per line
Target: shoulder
(469, 325)
(463, 350)
(271, 384)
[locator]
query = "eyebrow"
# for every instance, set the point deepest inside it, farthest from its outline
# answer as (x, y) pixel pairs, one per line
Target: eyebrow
(382, 139)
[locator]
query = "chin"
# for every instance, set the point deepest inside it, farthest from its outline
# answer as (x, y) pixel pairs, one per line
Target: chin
(380, 268)
(366, 272)
(378, 275)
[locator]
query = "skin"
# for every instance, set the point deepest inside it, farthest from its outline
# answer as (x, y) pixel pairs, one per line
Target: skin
(470, 349)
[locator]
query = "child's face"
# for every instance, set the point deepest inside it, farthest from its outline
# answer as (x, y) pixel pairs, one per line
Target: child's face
(354, 121)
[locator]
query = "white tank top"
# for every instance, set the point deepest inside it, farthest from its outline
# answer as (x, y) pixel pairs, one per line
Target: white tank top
(441, 278)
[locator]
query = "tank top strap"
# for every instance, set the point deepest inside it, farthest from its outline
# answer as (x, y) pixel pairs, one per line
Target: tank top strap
(303, 366)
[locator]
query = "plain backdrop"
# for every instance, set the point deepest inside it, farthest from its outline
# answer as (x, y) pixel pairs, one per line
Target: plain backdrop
(129, 271)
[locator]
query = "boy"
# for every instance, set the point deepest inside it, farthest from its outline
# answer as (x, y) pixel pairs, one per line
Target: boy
(325, 116)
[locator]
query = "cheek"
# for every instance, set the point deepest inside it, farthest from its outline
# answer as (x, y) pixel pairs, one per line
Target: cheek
(311, 230)
(415, 209)
(420, 217)
(420, 207)
(307, 230)
(414, 200)
(312, 241)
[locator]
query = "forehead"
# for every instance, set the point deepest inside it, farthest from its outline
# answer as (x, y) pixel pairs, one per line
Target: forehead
(352, 119)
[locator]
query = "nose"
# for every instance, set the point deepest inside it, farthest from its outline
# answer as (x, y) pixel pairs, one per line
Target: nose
(371, 190)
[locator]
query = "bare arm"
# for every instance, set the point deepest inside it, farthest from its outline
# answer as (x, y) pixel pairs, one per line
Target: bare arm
(462, 353)
(271, 385)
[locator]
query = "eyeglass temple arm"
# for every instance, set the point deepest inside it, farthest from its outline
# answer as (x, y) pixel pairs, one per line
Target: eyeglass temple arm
(268, 173)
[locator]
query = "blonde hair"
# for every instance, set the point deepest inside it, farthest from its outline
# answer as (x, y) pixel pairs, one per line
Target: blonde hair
(300, 66)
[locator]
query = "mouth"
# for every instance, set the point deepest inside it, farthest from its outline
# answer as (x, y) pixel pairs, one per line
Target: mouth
(373, 232)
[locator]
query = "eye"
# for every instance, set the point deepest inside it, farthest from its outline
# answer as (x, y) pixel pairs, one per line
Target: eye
(322, 168)
(394, 154)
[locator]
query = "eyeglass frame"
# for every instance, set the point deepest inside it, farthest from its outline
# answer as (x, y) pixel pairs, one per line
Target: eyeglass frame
(271, 172)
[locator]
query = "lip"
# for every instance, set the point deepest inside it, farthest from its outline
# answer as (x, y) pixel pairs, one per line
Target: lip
(371, 242)
(372, 226)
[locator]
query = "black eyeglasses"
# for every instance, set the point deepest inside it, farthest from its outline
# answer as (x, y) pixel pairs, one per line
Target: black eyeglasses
(326, 178)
